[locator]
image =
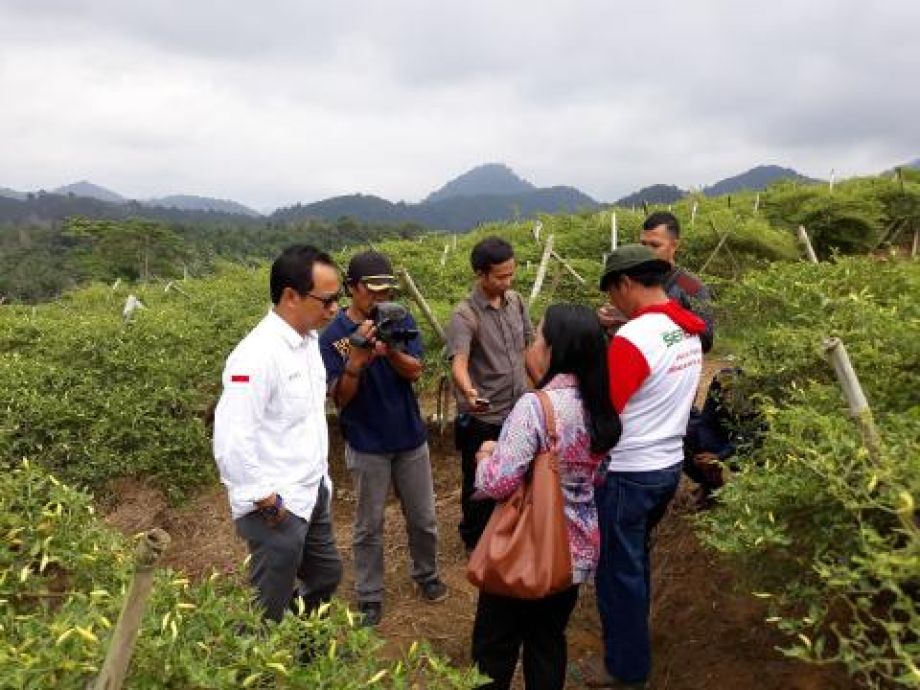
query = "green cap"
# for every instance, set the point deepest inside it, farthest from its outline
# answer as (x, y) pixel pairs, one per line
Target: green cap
(630, 256)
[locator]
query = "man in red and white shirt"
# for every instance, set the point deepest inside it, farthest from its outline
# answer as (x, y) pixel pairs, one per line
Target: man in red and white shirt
(655, 361)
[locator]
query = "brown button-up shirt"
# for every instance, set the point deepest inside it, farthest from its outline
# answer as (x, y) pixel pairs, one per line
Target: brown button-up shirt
(495, 340)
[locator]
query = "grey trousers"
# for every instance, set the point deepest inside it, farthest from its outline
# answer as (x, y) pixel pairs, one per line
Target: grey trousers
(410, 473)
(294, 549)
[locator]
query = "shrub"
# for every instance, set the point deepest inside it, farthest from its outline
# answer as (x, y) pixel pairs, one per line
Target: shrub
(831, 537)
(62, 578)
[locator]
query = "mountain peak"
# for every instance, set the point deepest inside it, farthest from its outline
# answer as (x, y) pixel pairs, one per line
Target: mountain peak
(755, 179)
(491, 178)
(191, 202)
(93, 191)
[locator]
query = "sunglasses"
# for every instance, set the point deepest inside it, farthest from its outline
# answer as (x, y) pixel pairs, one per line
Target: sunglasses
(327, 300)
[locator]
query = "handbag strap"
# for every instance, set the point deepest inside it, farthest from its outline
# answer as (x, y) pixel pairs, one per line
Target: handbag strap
(549, 414)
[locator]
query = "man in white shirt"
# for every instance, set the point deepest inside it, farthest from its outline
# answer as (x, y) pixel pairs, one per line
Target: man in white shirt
(271, 441)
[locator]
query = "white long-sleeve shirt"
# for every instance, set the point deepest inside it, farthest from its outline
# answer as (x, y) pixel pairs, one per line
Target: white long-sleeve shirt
(270, 433)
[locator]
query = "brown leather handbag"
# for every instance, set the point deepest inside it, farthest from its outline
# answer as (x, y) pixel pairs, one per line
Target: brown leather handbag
(524, 550)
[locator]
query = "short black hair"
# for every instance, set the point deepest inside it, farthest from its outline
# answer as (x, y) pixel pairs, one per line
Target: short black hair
(294, 269)
(490, 252)
(647, 275)
(669, 220)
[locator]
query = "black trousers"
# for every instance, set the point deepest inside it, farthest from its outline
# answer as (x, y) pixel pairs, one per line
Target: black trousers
(469, 435)
(503, 625)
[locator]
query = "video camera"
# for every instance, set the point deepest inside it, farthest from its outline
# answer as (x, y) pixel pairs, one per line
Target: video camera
(388, 318)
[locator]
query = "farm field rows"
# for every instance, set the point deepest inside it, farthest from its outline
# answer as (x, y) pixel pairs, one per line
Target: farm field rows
(827, 536)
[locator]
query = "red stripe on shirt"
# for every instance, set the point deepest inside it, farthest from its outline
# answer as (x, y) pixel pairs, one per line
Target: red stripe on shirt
(628, 369)
(239, 378)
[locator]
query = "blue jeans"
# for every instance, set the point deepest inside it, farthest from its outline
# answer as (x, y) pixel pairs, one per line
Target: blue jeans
(629, 505)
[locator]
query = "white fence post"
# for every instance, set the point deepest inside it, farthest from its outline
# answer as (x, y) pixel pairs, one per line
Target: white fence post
(541, 271)
(856, 399)
(568, 267)
(809, 250)
(414, 292)
(538, 226)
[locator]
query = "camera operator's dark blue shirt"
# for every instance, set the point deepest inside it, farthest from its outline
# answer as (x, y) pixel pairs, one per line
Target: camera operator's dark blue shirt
(383, 416)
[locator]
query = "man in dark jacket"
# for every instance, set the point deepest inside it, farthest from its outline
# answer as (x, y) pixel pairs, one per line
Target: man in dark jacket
(661, 234)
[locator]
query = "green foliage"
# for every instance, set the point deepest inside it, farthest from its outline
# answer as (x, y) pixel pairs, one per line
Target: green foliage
(62, 580)
(133, 249)
(856, 216)
(97, 397)
(39, 262)
(829, 535)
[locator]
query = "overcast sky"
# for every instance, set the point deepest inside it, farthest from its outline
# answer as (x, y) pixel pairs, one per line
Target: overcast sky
(274, 102)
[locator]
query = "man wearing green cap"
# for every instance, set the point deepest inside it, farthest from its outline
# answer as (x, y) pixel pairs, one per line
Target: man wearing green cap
(661, 234)
(654, 360)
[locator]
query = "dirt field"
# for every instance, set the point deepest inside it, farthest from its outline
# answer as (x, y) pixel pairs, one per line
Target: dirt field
(706, 635)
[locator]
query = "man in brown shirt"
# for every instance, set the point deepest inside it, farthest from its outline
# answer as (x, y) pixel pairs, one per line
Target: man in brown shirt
(488, 335)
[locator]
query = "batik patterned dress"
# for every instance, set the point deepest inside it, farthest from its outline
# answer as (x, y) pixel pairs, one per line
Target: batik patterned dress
(523, 435)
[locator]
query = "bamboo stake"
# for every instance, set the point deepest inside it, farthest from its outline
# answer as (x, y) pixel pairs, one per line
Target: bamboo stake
(541, 271)
(538, 226)
(891, 233)
(913, 250)
(171, 285)
(444, 255)
(830, 182)
(809, 250)
(852, 390)
(714, 252)
(445, 393)
(756, 203)
(568, 267)
(693, 214)
(410, 287)
(121, 648)
(554, 285)
(613, 232)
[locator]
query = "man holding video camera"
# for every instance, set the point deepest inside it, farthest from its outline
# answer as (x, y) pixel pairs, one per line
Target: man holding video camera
(372, 353)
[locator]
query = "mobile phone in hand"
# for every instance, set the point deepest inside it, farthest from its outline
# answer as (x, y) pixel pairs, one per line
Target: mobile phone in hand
(483, 403)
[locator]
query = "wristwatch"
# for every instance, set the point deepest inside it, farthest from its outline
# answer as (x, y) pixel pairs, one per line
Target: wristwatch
(272, 510)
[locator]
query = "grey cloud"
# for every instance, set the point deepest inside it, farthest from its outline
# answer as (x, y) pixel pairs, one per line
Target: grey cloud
(284, 100)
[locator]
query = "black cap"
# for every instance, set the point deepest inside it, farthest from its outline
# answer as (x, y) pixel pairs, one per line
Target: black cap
(628, 257)
(373, 269)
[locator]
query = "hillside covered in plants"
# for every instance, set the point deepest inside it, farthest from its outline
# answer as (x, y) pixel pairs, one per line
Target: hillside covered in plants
(828, 534)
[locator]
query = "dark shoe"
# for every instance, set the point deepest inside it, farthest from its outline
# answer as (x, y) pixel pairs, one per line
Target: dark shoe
(596, 676)
(433, 591)
(371, 613)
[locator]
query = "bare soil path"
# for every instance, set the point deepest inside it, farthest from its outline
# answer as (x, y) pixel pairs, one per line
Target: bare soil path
(706, 635)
